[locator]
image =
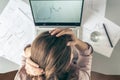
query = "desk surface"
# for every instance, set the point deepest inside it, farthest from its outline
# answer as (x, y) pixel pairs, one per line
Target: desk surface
(8, 65)
(113, 58)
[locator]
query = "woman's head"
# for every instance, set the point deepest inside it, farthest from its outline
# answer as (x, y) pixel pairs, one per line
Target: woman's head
(51, 53)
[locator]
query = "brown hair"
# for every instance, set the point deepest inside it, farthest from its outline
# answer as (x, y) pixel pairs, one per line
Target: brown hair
(53, 56)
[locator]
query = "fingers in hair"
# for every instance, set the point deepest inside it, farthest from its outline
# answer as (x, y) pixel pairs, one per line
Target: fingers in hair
(69, 32)
(29, 61)
(57, 30)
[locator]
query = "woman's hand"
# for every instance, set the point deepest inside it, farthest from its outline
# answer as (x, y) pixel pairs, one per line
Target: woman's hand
(75, 42)
(62, 31)
(33, 68)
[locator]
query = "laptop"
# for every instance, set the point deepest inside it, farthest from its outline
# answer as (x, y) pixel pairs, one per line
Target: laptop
(57, 13)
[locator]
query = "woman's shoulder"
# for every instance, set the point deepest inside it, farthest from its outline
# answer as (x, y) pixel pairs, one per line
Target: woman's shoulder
(21, 74)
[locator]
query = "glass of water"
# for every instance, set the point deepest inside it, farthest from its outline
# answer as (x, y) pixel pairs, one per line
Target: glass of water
(95, 36)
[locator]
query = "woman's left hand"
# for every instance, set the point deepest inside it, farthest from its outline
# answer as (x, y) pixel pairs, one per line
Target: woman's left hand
(33, 68)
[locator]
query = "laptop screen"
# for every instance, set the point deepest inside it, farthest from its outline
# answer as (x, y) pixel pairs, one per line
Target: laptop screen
(57, 12)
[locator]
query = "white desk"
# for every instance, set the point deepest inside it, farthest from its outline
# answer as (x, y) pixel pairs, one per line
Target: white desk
(6, 65)
(102, 64)
(85, 19)
(92, 21)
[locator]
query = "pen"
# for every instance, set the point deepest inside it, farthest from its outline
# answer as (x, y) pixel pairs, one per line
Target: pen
(107, 35)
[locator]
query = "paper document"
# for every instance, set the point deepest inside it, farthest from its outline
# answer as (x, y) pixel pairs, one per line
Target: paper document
(95, 23)
(16, 30)
(97, 6)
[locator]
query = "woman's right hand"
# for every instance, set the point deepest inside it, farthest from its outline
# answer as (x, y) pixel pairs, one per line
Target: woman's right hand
(62, 31)
(75, 41)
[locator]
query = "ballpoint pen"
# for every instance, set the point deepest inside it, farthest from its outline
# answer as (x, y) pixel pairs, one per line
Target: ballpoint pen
(107, 35)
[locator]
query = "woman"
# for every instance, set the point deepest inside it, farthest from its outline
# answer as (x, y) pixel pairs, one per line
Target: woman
(57, 55)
